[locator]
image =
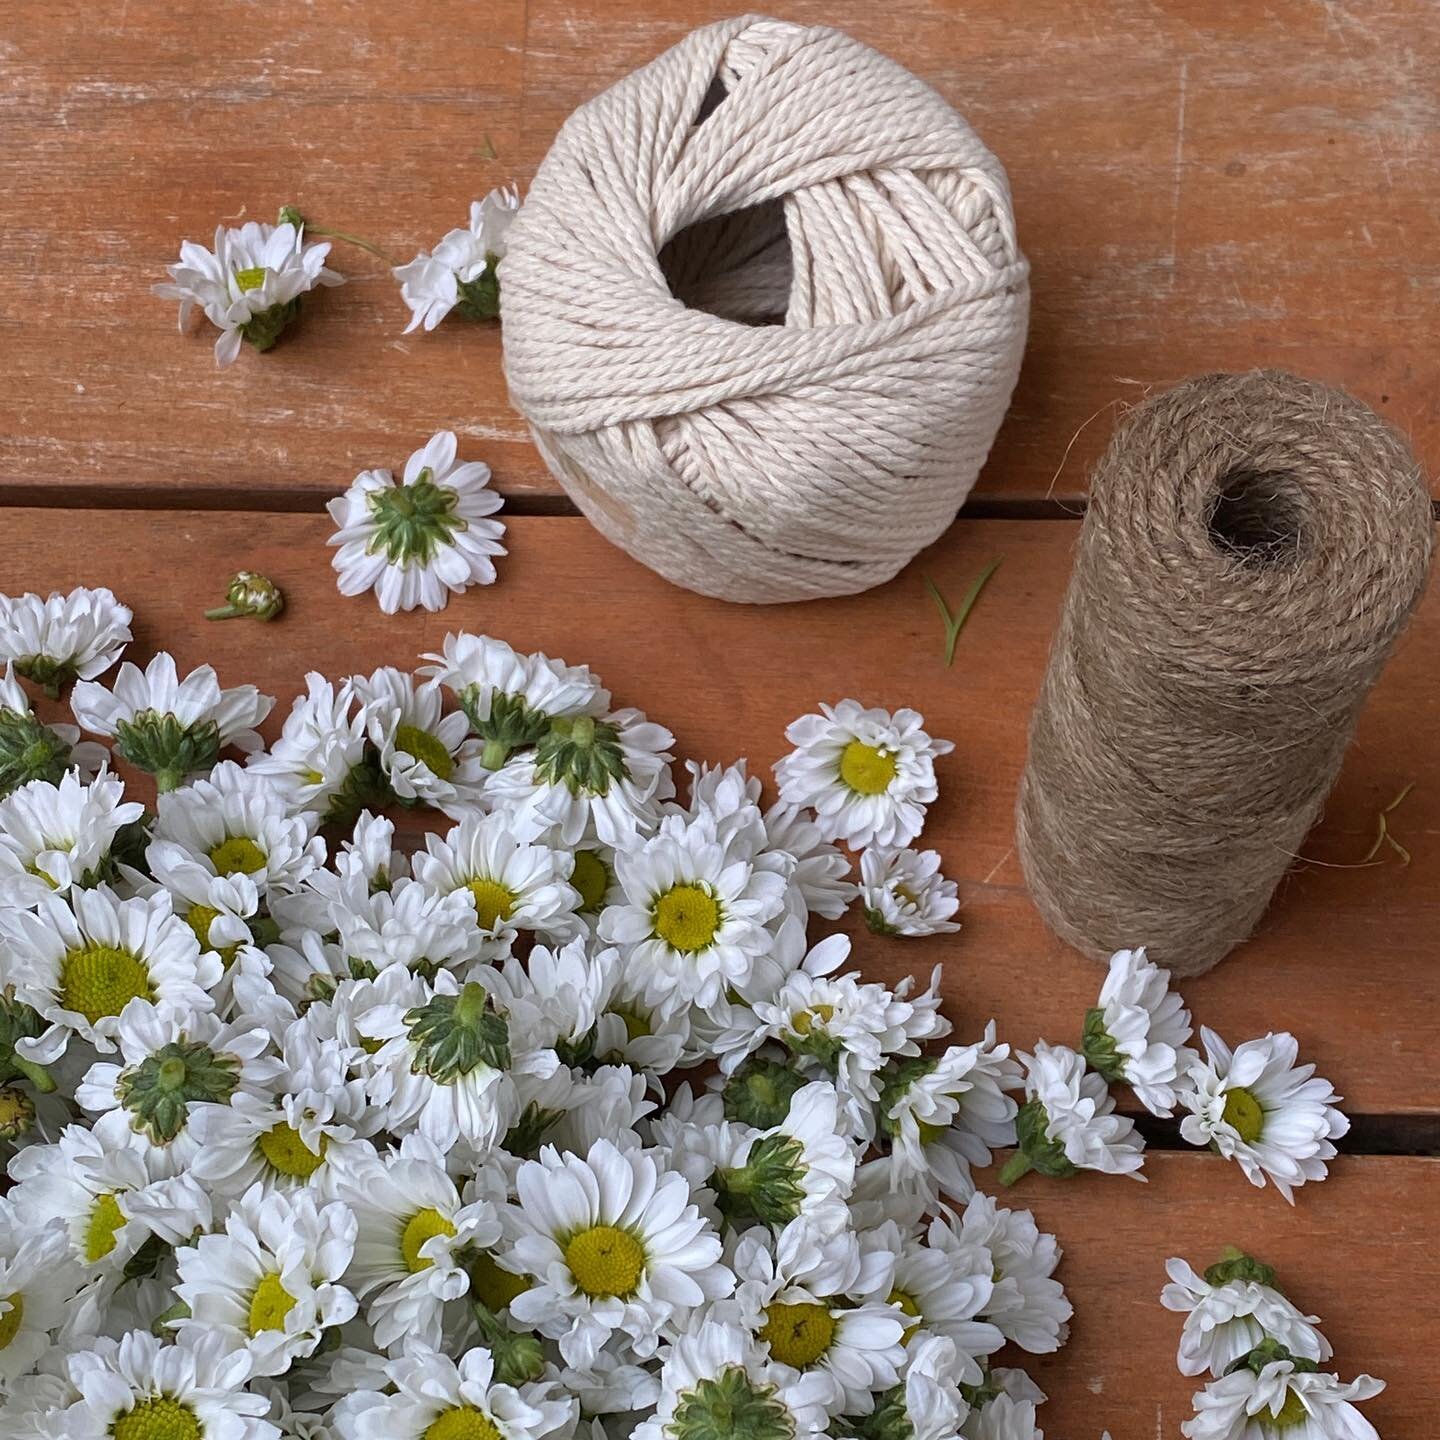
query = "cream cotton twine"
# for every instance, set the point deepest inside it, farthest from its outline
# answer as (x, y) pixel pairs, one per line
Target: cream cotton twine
(764, 309)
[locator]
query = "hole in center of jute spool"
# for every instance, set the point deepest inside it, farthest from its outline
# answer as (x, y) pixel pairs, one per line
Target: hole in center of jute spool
(1258, 516)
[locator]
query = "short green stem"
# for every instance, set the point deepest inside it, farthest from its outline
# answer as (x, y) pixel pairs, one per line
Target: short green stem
(168, 778)
(471, 1004)
(495, 754)
(37, 1075)
(1018, 1165)
(225, 612)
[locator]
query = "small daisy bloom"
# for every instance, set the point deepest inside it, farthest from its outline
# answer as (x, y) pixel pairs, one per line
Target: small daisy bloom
(429, 1396)
(63, 637)
(54, 837)
(1255, 1105)
(822, 871)
(1282, 1399)
(613, 1244)
(1231, 1310)
(904, 893)
(927, 1404)
(38, 1277)
(1137, 1033)
(867, 774)
(1002, 1417)
(270, 1284)
(406, 925)
(716, 1380)
(249, 285)
(168, 726)
(1068, 1121)
(459, 274)
(32, 750)
(416, 541)
(80, 963)
(319, 750)
(142, 1388)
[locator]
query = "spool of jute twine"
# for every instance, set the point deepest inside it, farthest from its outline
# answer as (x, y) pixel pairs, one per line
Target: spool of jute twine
(764, 309)
(1253, 546)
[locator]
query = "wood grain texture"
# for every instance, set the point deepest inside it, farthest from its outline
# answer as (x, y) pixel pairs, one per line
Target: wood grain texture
(1345, 958)
(1200, 184)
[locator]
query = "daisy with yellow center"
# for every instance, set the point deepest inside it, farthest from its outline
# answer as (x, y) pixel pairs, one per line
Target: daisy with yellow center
(38, 1277)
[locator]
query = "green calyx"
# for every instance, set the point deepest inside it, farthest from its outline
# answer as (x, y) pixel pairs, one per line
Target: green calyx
(1035, 1151)
(1268, 1352)
(264, 329)
(527, 1134)
(581, 753)
(29, 750)
(510, 725)
(147, 1260)
(519, 1359)
(731, 1406)
(889, 1420)
(1235, 1264)
(166, 748)
(767, 1187)
(895, 1079)
(1099, 1049)
(977, 1396)
(157, 1091)
(878, 926)
(364, 788)
(455, 1034)
(480, 297)
(412, 521)
(759, 1093)
(18, 1021)
(52, 676)
(252, 594)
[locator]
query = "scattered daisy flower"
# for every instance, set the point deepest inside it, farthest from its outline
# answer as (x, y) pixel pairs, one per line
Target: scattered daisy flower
(318, 761)
(1255, 1105)
(62, 638)
(416, 541)
(867, 774)
(904, 893)
(1258, 1401)
(459, 274)
(249, 285)
(249, 594)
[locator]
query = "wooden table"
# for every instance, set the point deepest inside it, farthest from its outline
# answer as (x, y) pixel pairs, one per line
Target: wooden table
(1211, 184)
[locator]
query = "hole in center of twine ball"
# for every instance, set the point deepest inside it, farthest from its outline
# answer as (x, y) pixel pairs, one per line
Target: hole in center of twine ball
(1258, 517)
(736, 266)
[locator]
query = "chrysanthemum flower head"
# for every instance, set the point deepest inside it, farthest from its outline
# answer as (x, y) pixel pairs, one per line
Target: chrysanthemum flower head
(460, 274)
(1264, 1396)
(64, 637)
(904, 893)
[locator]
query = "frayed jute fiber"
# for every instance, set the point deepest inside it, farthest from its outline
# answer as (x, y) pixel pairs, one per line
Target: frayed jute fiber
(764, 309)
(1253, 546)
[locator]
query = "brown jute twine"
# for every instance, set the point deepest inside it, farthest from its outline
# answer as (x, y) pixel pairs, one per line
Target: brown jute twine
(1253, 546)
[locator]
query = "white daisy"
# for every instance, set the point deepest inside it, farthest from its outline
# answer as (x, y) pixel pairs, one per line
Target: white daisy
(78, 964)
(460, 272)
(1137, 1033)
(427, 758)
(63, 637)
(904, 893)
(614, 1244)
(270, 1284)
(822, 871)
(413, 1232)
(1002, 1417)
(1256, 1106)
(38, 1277)
(928, 1400)
(315, 761)
(511, 698)
(168, 726)
(140, 1388)
(695, 914)
(512, 884)
(406, 925)
(716, 1380)
(1068, 1121)
(604, 778)
(416, 541)
(32, 750)
(249, 285)
(867, 774)
(1230, 1310)
(1246, 1405)
(429, 1396)
(55, 836)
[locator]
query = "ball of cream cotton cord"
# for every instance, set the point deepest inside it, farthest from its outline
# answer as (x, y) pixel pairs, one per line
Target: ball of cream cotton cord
(763, 309)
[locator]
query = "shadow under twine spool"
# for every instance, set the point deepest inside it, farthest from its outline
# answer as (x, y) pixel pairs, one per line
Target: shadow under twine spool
(1253, 546)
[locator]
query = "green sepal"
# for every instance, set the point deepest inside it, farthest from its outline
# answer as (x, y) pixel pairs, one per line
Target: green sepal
(157, 1091)
(146, 1261)
(364, 788)
(29, 750)
(878, 923)
(766, 1188)
(889, 1420)
(895, 1079)
(729, 1406)
(511, 725)
(977, 1396)
(759, 1093)
(162, 1323)
(52, 676)
(264, 329)
(579, 1054)
(1235, 1264)
(412, 520)
(167, 749)
(454, 1034)
(519, 1359)
(18, 1021)
(1045, 1157)
(249, 593)
(527, 1134)
(1267, 1352)
(1099, 1049)
(581, 753)
(480, 297)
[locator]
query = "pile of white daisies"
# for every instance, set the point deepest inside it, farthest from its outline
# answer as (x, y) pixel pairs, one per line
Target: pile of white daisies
(559, 1126)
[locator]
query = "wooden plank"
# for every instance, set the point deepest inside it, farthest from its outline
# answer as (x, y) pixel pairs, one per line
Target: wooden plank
(1200, 184)
(1345, 959)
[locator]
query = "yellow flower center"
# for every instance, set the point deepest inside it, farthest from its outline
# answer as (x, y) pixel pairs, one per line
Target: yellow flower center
(10, 1320)
(286, 1152)
(686, 918)
(1291, 1413)
(462, 1423)
(422, 1227)
(802, 1022)
(590, 878)
(798, 1335)
(421, 745)
(239, 855)
(105, 1220)
(158, 1418)
(605, 1261)
(16, 1109)
(199, 919)
(99, 980)
(867, 769)
(908, 1305)
(493, 901)
(1244, 1115)
(251, 279)
(493, 1287)
(269, 1305)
